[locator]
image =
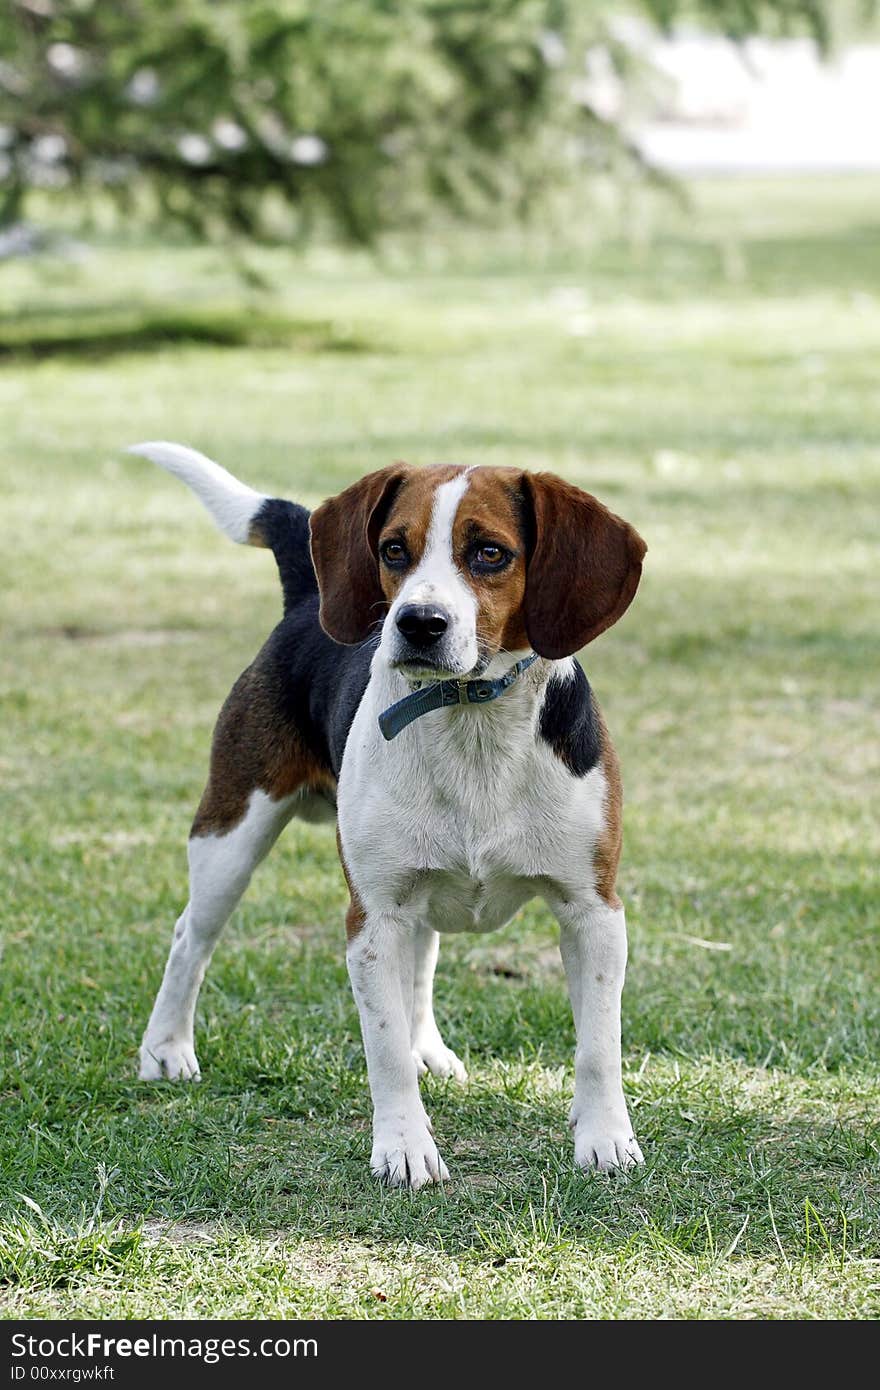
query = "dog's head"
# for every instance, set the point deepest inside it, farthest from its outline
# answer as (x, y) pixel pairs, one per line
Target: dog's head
(463, 564)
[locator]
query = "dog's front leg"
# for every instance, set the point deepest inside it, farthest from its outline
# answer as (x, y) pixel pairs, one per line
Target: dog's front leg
(593, 947)
(381, 965)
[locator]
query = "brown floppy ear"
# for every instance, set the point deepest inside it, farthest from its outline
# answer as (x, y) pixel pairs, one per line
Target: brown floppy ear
(344, 545)
(583, 570)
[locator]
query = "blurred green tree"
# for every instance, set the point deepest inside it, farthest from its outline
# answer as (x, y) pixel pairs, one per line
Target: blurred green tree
(267, 116)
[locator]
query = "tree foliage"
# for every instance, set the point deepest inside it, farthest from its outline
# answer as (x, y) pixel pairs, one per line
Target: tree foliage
(265, 116)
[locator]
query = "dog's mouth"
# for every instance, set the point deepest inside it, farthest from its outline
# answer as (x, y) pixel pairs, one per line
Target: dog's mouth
(418, 669)
(437, 662)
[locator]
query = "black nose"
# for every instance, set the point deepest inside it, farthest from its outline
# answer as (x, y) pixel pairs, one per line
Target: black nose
(421, 625)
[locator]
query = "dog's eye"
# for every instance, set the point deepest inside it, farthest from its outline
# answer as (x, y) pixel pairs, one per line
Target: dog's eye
(490, 557)
(394, 553)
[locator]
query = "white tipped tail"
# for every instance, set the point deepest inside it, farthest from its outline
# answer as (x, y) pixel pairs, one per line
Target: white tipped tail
(233, 505)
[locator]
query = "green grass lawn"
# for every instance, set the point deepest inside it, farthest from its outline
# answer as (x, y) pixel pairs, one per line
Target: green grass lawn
(718, 386)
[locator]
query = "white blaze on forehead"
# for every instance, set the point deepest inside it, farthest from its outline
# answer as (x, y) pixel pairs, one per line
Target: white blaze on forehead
(438, 546)
(438, 580)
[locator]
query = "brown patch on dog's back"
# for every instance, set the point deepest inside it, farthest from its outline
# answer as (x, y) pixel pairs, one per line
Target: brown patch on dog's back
(255, 748)
(607, 853)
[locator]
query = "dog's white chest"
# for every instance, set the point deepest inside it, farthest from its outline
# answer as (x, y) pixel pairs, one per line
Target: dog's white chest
(454, 900)
(460, 834)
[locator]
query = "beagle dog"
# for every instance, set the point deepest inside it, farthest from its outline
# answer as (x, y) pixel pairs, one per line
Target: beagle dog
(421, 690)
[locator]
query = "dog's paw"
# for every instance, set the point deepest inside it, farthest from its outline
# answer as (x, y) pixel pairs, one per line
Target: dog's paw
(605, 1147)
(430, 1053)
(405, 1155)
(171, 1060)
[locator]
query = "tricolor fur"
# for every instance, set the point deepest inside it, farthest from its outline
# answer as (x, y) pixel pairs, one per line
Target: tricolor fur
(413, 575)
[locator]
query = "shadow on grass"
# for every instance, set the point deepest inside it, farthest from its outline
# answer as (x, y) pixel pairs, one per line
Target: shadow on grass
(103, 334)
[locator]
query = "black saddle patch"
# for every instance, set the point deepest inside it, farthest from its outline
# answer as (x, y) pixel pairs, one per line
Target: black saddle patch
(569, 722)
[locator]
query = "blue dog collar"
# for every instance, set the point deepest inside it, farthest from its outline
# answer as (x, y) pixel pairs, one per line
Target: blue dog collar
(440, 693)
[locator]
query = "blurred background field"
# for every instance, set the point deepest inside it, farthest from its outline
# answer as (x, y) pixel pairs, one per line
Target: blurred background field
(705, 360)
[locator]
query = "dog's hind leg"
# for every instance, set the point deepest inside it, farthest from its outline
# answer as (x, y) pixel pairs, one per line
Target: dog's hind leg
(261, 775)
(220, 868)
(428, 1048)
